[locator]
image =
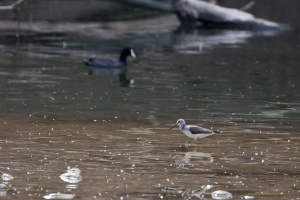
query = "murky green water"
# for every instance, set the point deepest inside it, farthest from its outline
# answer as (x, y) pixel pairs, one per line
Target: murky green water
(113, 125)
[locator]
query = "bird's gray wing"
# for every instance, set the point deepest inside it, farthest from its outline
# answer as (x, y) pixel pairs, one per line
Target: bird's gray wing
(200, 130)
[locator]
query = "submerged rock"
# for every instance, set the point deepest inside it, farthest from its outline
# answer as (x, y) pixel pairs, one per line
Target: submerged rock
(59, 196)
(7, 177)
(221, 194)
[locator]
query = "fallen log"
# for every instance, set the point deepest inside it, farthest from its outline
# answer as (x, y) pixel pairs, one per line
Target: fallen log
(164, 5)
(13, 6)
(190, 12)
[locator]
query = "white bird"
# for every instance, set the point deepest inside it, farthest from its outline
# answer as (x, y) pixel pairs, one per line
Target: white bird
(193, 131)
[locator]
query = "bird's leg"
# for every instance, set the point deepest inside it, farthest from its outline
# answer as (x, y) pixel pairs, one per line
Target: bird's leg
(196, 140)
(187, 144)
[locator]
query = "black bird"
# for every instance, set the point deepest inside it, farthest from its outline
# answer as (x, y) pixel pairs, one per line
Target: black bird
(110, 63)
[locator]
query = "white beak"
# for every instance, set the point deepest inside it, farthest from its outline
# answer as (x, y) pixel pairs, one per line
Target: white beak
(132, 53)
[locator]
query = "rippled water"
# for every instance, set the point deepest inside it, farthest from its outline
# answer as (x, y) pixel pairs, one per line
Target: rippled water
(113, 125)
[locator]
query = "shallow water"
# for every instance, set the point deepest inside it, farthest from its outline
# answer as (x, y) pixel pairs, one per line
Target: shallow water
(113, 125)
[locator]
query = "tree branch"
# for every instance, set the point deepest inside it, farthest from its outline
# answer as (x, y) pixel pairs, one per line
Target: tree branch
(12, 6)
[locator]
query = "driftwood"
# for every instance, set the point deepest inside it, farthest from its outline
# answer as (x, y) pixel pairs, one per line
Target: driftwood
(192, 11)
(13, 6)
(164, 5)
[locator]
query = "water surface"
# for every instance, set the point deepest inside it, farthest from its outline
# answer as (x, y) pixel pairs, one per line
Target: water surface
(113, 125)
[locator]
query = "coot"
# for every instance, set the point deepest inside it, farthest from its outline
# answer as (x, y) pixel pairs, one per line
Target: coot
(106, 62)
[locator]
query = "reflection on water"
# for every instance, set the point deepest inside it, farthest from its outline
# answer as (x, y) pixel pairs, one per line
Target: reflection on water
(186, 159)
(195, 41)
(120, 72)
(56, 113)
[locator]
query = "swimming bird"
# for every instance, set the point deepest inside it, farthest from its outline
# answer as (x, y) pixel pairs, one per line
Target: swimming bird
(110, 63)
(193, 131)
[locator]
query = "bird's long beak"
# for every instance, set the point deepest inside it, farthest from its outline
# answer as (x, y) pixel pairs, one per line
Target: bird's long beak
(173, 126)
(132, 53)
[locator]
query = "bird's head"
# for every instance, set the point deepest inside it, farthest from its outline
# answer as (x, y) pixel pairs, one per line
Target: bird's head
(127, 52)
(179, 122)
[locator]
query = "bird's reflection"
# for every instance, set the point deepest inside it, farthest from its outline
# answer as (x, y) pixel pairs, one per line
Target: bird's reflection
(186, 159)
(121, 72)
